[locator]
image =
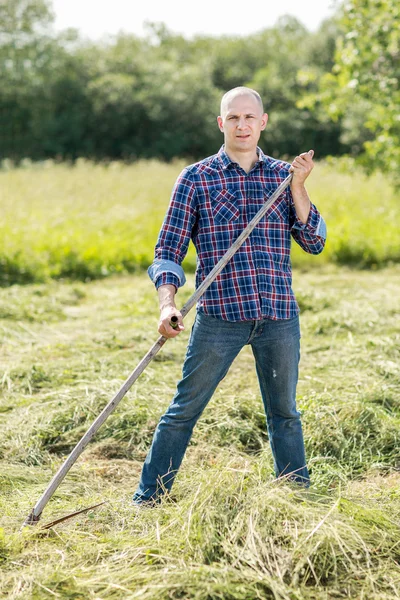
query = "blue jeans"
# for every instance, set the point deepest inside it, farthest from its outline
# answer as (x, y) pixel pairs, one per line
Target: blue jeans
(212, 347)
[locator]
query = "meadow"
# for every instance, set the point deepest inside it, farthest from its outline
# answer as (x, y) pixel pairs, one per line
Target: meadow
(229, 530)
(92, 220)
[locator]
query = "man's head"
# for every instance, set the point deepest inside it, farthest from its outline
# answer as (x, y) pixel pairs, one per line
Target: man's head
(239, 91)
(242, 119)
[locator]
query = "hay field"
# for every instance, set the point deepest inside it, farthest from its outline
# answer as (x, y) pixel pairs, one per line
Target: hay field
(229, 531)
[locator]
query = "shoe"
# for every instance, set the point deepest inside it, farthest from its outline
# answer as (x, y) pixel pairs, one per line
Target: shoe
(139, 505)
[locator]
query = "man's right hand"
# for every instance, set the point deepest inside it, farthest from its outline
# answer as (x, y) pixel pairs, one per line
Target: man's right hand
(166, 321)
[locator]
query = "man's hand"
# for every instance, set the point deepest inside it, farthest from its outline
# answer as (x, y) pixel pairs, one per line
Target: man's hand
(166, 325)
(170, 324)
(301, 168)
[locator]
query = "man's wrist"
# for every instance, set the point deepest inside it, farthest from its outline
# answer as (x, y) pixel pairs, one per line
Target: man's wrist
(166, 295)
(298, 186)
(167, 305)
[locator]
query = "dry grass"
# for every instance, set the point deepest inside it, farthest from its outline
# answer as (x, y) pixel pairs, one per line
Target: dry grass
(229, 530)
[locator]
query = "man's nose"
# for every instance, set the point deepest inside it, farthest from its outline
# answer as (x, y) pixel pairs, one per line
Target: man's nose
(241, 123)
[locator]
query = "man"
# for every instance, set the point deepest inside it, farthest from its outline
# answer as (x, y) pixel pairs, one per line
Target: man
(250, 302)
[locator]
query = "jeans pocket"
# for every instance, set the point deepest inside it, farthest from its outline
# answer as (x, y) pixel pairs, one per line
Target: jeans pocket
(283, 330)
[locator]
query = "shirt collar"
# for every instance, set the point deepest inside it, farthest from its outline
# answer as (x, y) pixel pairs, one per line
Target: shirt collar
(227, 163)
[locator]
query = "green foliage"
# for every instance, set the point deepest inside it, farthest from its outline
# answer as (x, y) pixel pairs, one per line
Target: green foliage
(25, 17)
(158, 96)
(29, 59)
(152, 97)
(363, 87)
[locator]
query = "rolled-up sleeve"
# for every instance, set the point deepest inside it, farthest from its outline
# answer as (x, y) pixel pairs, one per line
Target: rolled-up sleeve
(164, 272)
(311, 236)
(175, 234)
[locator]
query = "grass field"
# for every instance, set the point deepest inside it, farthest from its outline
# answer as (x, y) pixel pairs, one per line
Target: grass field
(94, 220)
(77, 314)
(229, 530)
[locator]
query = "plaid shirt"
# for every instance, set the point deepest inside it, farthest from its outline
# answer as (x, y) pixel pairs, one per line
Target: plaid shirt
(212, 202)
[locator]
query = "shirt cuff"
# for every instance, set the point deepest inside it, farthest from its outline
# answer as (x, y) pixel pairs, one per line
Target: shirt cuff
(167, 279)
(321, 228)
(315, 223)
(166, 272)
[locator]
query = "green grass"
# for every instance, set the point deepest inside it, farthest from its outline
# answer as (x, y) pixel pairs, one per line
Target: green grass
(91, 220)
(229, 529)
(81, 222)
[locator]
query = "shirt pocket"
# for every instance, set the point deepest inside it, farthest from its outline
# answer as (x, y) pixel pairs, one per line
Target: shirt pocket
(223, 206)
(279, 211)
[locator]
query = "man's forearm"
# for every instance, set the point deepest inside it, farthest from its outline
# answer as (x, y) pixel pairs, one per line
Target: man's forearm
(166, 296)
(168, 311)
(301, 201)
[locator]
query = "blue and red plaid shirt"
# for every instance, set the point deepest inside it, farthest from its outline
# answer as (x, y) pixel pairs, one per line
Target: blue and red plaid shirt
(212, 202)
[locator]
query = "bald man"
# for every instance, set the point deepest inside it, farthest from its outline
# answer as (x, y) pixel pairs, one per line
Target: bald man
(250, 302)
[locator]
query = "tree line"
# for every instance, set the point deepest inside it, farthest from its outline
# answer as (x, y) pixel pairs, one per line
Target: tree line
(129, 97)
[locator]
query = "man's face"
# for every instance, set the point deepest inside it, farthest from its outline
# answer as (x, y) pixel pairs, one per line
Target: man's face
(242, 122)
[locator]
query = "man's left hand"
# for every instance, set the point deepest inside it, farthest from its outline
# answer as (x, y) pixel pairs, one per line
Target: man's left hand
(302, 167)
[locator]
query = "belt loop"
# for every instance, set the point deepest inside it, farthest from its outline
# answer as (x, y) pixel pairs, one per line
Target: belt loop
(252, 332)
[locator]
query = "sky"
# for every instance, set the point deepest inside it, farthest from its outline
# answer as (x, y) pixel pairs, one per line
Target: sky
(98, 18)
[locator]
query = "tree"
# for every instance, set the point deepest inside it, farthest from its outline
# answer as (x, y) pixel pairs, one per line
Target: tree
(24, 53)
(158, 96)
(363, 86)
(286, 78)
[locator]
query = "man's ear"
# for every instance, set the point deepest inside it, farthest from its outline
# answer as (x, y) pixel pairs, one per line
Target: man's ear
(264, 121)
(220, 123)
